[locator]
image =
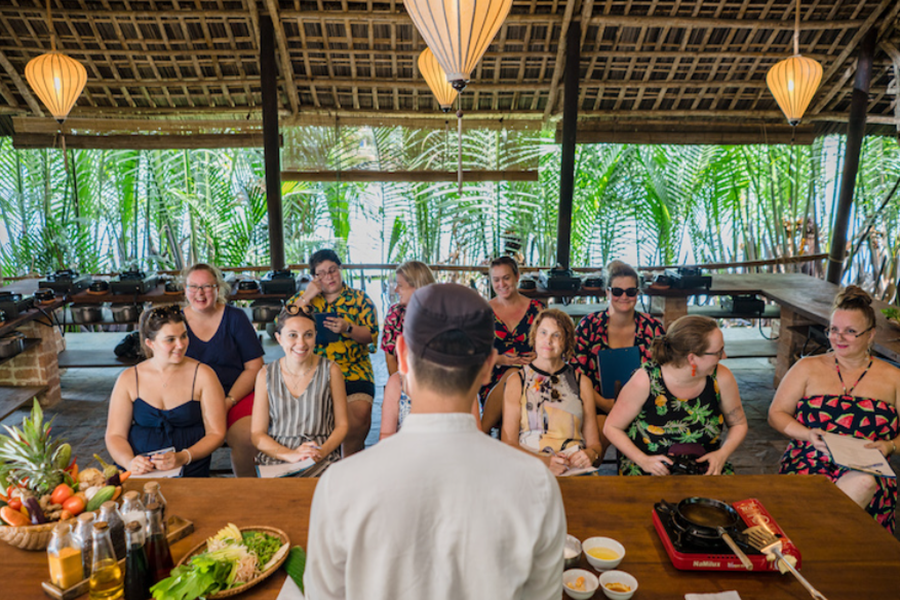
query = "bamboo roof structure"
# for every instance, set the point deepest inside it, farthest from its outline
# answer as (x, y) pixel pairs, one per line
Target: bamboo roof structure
(650, 70)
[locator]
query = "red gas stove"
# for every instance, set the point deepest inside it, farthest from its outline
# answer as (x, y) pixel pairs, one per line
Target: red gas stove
(689, 553)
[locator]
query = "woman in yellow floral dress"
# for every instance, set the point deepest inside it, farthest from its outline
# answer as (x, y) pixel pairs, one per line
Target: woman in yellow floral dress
(355, 328)
(679, 402)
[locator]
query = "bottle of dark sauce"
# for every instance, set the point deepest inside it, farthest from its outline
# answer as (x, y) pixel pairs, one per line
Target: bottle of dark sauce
(159, 557)
(137, 570)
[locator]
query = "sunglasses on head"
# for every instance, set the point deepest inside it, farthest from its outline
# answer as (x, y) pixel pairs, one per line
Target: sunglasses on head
(169, 310)
(630, 292)
(296, 309)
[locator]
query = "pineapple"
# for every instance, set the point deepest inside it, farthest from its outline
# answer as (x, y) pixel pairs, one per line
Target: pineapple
(30, 458)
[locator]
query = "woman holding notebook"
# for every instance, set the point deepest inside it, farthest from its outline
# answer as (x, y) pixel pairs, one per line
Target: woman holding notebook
(845, 392)
(300, 409)
(548, 406)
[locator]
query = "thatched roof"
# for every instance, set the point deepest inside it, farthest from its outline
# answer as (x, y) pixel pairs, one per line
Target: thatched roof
(648, 69)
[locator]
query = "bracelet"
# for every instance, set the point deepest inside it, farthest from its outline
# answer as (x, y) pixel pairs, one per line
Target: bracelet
(190, 458)
(229, 402)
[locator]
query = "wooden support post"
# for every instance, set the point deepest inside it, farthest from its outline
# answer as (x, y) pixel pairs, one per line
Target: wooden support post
(790, 341)
(570, 127)
(269, 85)
(856, 130)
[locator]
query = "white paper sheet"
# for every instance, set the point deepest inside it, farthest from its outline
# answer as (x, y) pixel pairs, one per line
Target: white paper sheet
(290, 591)
(730, 595)
(176, 472)
(852, 453)
(284, 469)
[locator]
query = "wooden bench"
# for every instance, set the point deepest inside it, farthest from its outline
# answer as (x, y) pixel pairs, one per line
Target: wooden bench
(12, 398)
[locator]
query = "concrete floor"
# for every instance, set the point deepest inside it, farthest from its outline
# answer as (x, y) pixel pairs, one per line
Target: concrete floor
(80, 418)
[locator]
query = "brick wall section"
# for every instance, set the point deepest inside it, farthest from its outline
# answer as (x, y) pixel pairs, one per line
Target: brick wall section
(37, 366)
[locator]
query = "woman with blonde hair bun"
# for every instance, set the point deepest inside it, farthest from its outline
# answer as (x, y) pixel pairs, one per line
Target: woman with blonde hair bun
(411, 275)
(846, 392)
(677, 403)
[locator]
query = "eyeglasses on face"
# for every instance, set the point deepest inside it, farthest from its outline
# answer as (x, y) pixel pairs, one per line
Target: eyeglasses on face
(630, 292)
(835, 332)
(323, 273)
(206, 287)
(719, 353)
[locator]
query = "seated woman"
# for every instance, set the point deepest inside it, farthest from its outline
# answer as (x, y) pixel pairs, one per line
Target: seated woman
(166, 401)
(396, 405)
(300, 409)
(846, 392)
(513, 316)
(549, 406)
(619, 326)
(676, 404)
(411, 275)
(222, 337)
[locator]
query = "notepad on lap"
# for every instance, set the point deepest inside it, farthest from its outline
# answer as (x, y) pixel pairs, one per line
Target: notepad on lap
(851, 452)
(325, 336)
(283, 469)
(176, 472)
(616, 366)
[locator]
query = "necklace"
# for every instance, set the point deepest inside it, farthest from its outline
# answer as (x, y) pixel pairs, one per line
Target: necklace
(837, 368)
(296, 376)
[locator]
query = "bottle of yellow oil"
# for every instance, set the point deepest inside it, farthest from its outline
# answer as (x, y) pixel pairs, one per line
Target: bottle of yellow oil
(107, 579)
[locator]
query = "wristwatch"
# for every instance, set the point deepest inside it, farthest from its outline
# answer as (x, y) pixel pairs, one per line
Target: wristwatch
(349, 329)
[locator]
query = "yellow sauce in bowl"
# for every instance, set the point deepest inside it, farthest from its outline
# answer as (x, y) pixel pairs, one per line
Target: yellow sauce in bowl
(601, 553)
(616, 586)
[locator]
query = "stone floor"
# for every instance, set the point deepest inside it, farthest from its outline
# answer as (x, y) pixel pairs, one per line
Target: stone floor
(80, 418)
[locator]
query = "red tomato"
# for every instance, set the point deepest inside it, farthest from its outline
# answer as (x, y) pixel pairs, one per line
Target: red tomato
(61, 493)
(74, 504)
(15, 503)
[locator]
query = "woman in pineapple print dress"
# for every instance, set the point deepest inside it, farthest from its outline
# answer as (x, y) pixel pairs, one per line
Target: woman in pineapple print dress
(683, 396)
(846, 392)
(513, 317)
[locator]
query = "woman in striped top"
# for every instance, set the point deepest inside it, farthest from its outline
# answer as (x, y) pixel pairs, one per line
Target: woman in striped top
(300, 410)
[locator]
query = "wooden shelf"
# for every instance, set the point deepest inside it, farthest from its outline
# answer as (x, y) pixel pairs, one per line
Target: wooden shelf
(29, 344)
(12, 398)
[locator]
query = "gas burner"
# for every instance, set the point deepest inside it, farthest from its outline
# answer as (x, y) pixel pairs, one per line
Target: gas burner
(691, 552)
(65, 281)
(14, 304)
(133, 282)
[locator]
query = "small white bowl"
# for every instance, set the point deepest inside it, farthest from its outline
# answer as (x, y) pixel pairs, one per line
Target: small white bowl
(591, 583)
(573, 545)
(603, 542)
(618, 577)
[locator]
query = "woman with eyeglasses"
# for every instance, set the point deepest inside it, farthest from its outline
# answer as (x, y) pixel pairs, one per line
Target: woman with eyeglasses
(619, 326)
(846, 392)
(351, 317)
(301, 407)
(513, 316)
(548, 406)
(411, 275)
(167, 411)
(222, 337)
(674, 407)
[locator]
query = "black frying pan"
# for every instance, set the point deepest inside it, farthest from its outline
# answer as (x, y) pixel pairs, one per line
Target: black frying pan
(709, 519)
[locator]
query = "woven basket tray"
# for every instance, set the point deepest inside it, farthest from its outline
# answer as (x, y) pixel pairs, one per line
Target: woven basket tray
(201, 547)
(30, 537)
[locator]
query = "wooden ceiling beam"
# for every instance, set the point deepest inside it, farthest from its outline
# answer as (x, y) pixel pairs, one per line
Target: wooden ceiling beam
(21, 86)
(141, 142)
(284, 57)
(560, 58)
(639, 21)
(409, 176)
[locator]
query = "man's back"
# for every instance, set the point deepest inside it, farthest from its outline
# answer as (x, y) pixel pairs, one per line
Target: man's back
(437, 511)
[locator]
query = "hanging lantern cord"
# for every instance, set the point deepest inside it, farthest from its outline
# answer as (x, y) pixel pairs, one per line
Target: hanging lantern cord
(50, 27)
(459, 116)
(797, 30)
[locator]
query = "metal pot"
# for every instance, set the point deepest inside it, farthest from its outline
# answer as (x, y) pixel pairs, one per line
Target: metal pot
(83, 314)
(11, 344)
(265, 312)
(125, 313)
(248, 285)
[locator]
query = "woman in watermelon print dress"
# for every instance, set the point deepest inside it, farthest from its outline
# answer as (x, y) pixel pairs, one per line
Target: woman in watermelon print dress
(846, 392)
(513, 316)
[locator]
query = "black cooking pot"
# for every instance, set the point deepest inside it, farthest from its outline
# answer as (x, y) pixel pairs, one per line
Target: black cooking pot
(248, 285)
(44, 295)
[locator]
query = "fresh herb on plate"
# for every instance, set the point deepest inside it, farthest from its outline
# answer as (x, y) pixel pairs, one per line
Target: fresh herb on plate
(263, 545)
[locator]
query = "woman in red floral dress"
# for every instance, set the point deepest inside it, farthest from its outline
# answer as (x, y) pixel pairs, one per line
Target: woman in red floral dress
(513, 316)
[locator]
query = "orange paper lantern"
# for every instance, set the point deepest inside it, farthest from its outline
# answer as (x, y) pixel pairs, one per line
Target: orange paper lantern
(57, 80)
(794, 82)
(437, 79)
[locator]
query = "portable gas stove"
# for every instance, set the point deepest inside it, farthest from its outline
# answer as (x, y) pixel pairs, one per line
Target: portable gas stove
(133, 282)
(690, 553)
(14, 304)
(66, 281)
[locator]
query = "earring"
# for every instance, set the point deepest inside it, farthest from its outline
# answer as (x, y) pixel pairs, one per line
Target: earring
(693, 370)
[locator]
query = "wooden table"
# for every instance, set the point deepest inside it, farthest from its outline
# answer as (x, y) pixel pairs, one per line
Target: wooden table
(846, 554)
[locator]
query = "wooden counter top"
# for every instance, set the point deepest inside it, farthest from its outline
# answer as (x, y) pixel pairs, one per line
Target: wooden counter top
(846, 554)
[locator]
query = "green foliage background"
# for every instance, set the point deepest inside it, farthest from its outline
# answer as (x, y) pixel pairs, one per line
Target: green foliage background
(104, 210)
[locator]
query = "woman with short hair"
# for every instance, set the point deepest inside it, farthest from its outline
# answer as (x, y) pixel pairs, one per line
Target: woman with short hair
(222, 337)
(677, 403)
(548, 405)
(411, 275)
